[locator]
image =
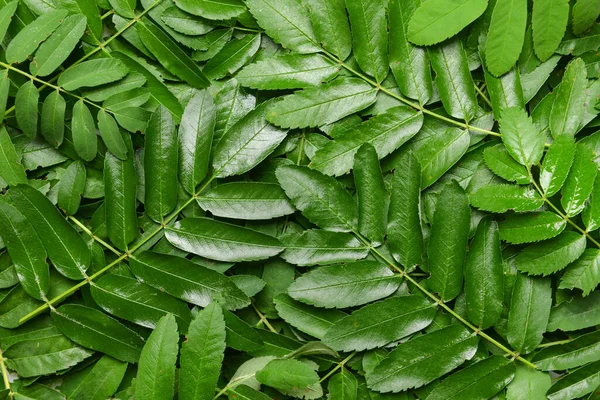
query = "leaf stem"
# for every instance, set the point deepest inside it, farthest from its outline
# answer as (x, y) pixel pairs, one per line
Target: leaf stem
(340, 365)
(5, 375)
(558, 342)
(263, 319)
(483, 96)
(94, 237)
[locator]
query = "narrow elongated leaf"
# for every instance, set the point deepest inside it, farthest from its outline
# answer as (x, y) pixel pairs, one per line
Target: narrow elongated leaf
(385, 132)
(52, 124)
(580, 181)
(405, 237)
(557, 164)
(484, 276)
(111, 136)
(170, 55)
(156, 370)
(246, 200)
(30, 37)
(141, 304)
(4, 89)
(213, 9)
(448, 241)
(232, 103)
(286, 22)
(71, 187)
(120, 188)
(67, 250)
(232, 57)
(54, 51)
(372, 195)
(481, 380)
(584, 349)
(240, 335)
(529, 312)
(346, 285)
(378, 324)
(502, 164)
(188, 281)
(568, 105)
(501, 198)
(549, 21)
(11, 170)
(453, 78)
(531, 227)
(314, 321)
(551, 256)
(6, 16)
(506, 35)
(320, 198)
(315, 246)
(84, 131)
(577, 383)
(246, 144)
(93, 329)
(523, 140)
(92, 73)
(291, 71)
(202, 355)
(579, 313)
(584, 273)
(322, 105)
(505, 91)
(26, 109)
(423, 359)
(160, 165)
(528, 384)
(221, 241)
(591, 212)
(369, 36)
(26, 251)
(96, 382)
(330, 23)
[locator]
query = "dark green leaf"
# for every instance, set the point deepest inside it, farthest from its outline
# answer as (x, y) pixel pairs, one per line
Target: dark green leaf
(232, 57)
(580, 181)
(84, 132)
(576, 384)
(26, 109)
(343, 386)
(568, 105)
(501, 198)
(11, 170)
(531, 227)
(52, 123)
(502, 164)
(96, 382)
(372, 195)
(71, 187)
(528, 384)
(111, 136)
(579, 313)
(584, 273)
(92, 73)
(213, 9)
(523, 140)
(551, 256)
(570, 355)
(557, 164)
(314, 321)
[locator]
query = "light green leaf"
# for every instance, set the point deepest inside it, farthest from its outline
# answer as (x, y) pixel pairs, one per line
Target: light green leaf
(505, 91)
(549, 22)
(557, 164)
(580, 181)
(531, 227)
(579, 313)
(290, 376)
(96, 382)
(311, 320)
(232, 57)
(111, 136)
(26, 109)
(584, 273)
(448, 241)
(4, 89)
(125, 8)
(330, 23)
(551, 256)
(6, 16)
(92, 73)
(583, 350)
(343, 386)
(576, 384)
(506, 35)
(84, 131)
(11, 170)
(185, 23)
(52, 124)
(569, 98)
(502, 164)
(213, 9)
(202, 355)
(522, 138)
(71, 187)
(528, 384)
(501, 198)
(585, 13)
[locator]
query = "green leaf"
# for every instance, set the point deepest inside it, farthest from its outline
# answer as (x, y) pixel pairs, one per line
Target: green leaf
(168, 53)
(246, 200)
(583, 350)
(343, 386)
(423, 359)
(484, 276)
(136, 302)
(576, 384)
(213, 9)
(202, 355)
(26, 109)
(549, 22)
(369, 36)
(584, 273)
(11, 170)
(552, 255)
(71, 187)
(124, 8)
(289, 376)
(579, 313)
(232, 57)
(372, 195)
(96, 382)
(315, 246)
(378, 324)
(187, 281)
(506, 35)
(330, 23)
(286, 22)
(409, 63)
(591, 212)
(222, 241)
(580, 181)
(185, 23)
(405, 237)
(529, 312)
(6, 16)
(502, 164)
(93, 329)
(92, 73)
(84, 132)
(67, 250)
(452, 76)
(505, 91)
(437, 20)
(30, 37)
(531, 227)
(246, 143)
(448, 241)
(311, 320)
(244, 392)
(240, 335)
(501, 198)
(557, 164)
(160, 165)
(26, 251)
(111, 136)
(569, 98)
(585, 13)
(480, 380)
(528, 384)
(322, 199)
(54, 51)
(289, 71)
(523, 140)
(232, 103)
(346, 285)
(52, 123)
(4, 89)
(385, 132)
(120, 197)
(322, 105)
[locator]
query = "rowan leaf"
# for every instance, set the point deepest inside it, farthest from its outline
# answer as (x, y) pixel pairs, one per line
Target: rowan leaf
(316, 246)
(506, 35)
(523, 140)
(30, 37)
(568, 108)
(531, 227)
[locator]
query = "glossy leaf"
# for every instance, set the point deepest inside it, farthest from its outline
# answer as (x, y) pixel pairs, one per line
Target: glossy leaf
(577, 383)
(502, 164)
(221, 9)
(372, 195)
(92, 73)
(556, 164)
(500, 198)
(98, 381)
(579, 313)
(506, 35)
(71, 187)
(311, 320)
(52, 123)
(528, 384)
(315, 247)
(551, 256)
(584, 273)
(567, 108)
(531, 227)
(523, 140)
(570, 355)
(580, 181)
(11, 170)
(330, 23)
(288, 376)
(84, 137)
(111, 136)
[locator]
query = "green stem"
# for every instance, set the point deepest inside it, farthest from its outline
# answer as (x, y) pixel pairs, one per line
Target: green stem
(5, 375)
(263, 319)
(340, 365)
(94, 237)
(483, 96)
(558, 342)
